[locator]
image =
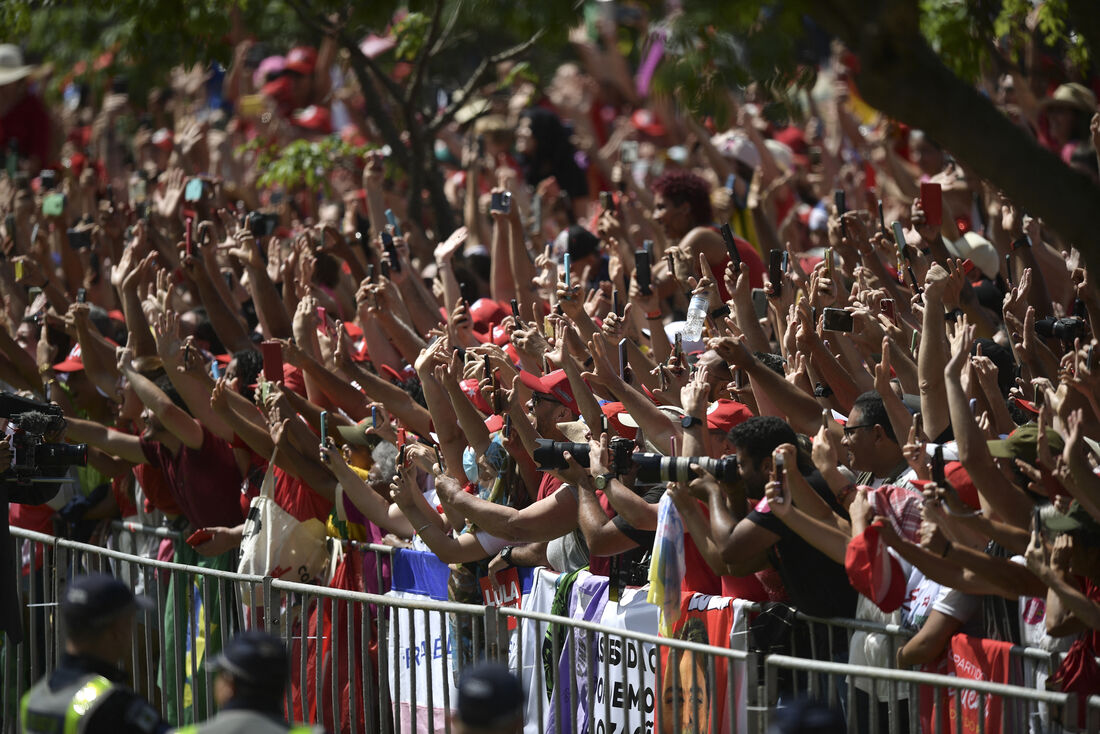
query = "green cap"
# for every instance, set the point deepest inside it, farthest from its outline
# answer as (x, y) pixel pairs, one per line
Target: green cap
(355, 435)
(1022, 443)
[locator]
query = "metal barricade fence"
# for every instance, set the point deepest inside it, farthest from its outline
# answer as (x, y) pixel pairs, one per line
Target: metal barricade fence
(1062, 703)
(362, 662)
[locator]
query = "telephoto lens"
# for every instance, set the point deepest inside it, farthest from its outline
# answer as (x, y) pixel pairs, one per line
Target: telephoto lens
(653, 468)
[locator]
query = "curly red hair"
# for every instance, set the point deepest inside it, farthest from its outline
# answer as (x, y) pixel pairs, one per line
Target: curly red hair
(678, 187)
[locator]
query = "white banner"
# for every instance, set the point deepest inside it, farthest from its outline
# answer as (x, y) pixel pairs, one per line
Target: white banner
(420, 652)
(625, 696)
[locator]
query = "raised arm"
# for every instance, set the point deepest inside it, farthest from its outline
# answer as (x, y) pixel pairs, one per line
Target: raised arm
(173, 418)
(117, 443)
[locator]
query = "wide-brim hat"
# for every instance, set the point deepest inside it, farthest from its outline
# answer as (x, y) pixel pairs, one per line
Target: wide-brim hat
(12, 68)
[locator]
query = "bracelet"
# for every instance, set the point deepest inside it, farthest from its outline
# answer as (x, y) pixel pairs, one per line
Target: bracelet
(421, 528)
(947, 549)
(653, 316)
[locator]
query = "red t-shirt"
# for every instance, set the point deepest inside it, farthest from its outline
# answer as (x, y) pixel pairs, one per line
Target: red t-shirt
(28, 124)
(204, 481)
(294, 496)
(158, 493)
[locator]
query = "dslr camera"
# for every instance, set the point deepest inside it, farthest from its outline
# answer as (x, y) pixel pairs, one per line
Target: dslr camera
(652, 468)
(39, 467)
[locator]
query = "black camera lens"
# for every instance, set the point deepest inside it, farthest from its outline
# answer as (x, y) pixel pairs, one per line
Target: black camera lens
(58, 455)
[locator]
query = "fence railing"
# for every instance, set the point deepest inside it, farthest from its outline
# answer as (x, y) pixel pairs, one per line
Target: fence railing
(365, 661)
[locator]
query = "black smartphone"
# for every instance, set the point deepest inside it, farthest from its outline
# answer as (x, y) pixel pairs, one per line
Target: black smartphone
(622, 358)
(775, 271)
(1008, 269)
(1089, 362)
(881, 218)
(371, 274)
(643, 272)
(739, 378)
(731, 247)
(838, 319)
(607, 201)
(391, 250)
(439, 458)
(81, 295)
(937, 467)
(324, 428)
(515, 314)
(48, 178)
(501, 202)
(615, 301)
(840, 200)
(506, 431)
(79, 239)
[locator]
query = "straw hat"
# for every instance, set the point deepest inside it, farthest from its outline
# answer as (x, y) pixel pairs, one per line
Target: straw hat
(12, 68)
(1074, 95)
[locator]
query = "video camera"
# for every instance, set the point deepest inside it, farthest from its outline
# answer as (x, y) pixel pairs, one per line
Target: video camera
(39, 467)
(652, 468)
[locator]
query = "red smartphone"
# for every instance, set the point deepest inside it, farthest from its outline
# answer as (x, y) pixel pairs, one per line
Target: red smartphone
(931, 200)
(273, 360)
(401, 438)
(322, 322)
(188, 241)
(889, 310)
(968, 267)
(199, 537)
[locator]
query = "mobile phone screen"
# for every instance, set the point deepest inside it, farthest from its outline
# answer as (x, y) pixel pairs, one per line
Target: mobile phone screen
(931, 199)
(775, 271)
(324, 427)
(567, 264)
(622, 358)
(374, 416)
(273, 360)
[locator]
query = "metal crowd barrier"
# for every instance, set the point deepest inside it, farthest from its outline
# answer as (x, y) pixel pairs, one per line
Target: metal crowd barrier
(351, 673)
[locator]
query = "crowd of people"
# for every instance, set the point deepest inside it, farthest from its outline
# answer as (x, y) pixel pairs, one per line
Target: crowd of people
(863, 378)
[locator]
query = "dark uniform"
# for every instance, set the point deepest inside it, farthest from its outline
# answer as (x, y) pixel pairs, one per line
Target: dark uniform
(257, 668)
(86, 694)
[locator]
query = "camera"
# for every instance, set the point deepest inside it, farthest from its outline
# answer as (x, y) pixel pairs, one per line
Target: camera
(1067, 329)
(652, 468)
(548, 454)
(262, 224)
(38, 465)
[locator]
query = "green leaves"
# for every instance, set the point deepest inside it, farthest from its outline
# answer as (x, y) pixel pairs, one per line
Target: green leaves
(411, 32)
(304, 163)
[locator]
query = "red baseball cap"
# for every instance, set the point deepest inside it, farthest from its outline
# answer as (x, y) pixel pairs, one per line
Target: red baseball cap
(485, 313)
(725, 414)
(555, 385)
(613, 411)
(314, 118)
(469, 386)
(72, 363)
(301, 59)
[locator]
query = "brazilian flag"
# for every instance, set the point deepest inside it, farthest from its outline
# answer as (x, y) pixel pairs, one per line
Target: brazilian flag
(192, 635)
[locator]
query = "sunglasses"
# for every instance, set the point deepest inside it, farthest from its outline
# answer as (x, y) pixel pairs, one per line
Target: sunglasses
(849, 430)
(536, 398)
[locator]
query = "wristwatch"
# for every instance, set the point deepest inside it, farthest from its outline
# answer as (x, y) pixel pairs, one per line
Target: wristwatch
(690, 421)
(506, 554)
(602, 480)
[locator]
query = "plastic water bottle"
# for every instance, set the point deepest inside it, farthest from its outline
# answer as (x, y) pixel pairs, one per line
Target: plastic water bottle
(697, 313)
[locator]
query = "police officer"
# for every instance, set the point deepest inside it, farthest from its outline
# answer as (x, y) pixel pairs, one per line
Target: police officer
(490, 701)
(250, 688)
(87, 693)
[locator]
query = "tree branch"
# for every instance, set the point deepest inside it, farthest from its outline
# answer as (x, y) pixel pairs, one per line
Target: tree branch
(426, 50)
(476, 79)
